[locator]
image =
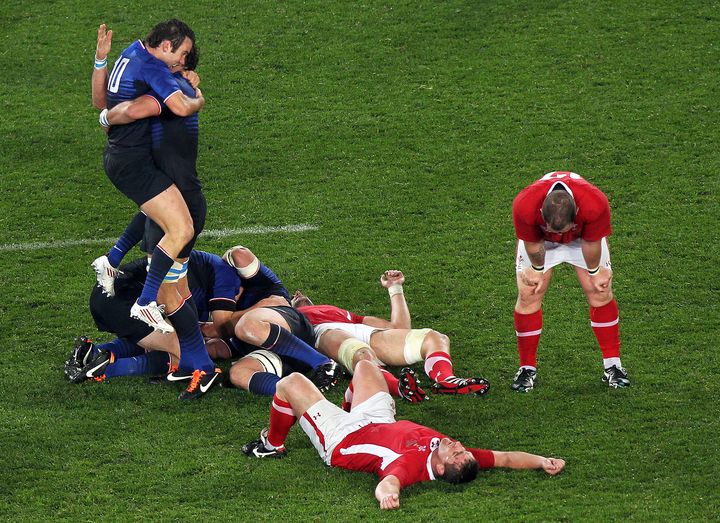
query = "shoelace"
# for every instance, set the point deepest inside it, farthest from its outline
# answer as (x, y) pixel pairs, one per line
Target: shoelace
(195, 381)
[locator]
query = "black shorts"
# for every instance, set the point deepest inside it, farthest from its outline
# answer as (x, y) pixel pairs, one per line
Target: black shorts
(113, 314)
(299, 325)
(197, 205)
(135, 174)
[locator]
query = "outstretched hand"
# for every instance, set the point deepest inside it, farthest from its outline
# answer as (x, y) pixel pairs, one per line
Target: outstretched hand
(553, 466)
(104, 42)
(392, 277)
(390, 502)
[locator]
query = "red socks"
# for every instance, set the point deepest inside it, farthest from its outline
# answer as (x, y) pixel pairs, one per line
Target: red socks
(438, 366)
(282, 419)
(605, 324)
(528, 328)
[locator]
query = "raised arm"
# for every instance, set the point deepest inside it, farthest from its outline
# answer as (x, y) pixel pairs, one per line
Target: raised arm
(387, 492)
(524, 460)
(399, 313)
(100, 74)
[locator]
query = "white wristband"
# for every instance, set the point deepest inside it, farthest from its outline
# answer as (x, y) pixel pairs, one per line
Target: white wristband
(395, 289)
(595, 271)
(103, 118)
(100, 64)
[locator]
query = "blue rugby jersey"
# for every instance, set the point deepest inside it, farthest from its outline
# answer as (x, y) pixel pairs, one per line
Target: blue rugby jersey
(213, 283)
(175, 141)
(136, 72)
(264, 284)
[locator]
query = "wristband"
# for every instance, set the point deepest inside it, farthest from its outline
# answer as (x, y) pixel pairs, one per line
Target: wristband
(395, 289)
(538, 269)
(103, 118)
(593, 272)
(100, 64)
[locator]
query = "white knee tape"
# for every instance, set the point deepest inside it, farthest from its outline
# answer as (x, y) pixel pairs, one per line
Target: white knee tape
(413, 345)
(246, 272)
(270, 361)
(347, 351)
(249, 270)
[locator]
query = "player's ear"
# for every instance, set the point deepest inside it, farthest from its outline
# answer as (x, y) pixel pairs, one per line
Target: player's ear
(440, 469)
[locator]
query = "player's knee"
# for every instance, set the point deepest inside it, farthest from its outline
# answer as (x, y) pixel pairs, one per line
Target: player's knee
(598, 299)
(246, 329)
(364, 366)
(288, 383)
(243, 260)
(435, 342)
(352, 351)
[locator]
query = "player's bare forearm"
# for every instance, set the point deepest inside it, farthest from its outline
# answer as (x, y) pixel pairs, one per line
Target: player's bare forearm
(183, 105)
(591, 253)
(127, 112)
(399, 312)
(525, 460)
(536, 252)
(387, 492)
(99, 87)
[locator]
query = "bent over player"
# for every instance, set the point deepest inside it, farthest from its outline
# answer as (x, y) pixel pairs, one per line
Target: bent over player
(368, 438)
(562, 218)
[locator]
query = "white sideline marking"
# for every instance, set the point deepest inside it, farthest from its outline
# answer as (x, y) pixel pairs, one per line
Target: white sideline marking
(220, 233)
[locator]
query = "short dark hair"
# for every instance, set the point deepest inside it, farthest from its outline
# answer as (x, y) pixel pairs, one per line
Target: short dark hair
(192, 58)
(558, 210)
(463, 473)
(174, 30)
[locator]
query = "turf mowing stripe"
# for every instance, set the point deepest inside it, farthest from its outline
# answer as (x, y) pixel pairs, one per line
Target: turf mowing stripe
(220, 233)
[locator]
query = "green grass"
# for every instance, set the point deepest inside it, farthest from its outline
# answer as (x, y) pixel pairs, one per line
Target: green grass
(402, 130)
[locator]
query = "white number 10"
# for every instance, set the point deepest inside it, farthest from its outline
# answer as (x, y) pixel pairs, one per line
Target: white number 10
(117, 72)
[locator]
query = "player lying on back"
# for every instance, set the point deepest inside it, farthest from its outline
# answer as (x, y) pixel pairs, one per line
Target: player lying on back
(394, 341)
(368, 438)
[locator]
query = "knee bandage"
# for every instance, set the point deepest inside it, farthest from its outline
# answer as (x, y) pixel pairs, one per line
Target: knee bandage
(270, 361)
(347, 352)
(247, 271)
(413, 345)
(177, 271)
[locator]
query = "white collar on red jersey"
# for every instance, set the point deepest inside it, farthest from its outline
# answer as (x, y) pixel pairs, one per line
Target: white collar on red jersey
(552, 188)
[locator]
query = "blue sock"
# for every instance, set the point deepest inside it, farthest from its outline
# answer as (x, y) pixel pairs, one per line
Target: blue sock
(120, 347)
(159, 267)
(283, 343)
(130, 237)
(263, 383)
(193, 353)
(152, 363)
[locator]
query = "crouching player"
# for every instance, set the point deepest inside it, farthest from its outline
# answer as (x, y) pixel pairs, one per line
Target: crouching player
(368, 438)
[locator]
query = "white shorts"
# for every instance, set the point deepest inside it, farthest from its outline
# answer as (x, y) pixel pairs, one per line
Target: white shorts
(327, 424)
(359, 331)
(557, 253)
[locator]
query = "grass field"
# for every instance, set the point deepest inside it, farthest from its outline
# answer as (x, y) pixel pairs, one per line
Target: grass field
(401, 131)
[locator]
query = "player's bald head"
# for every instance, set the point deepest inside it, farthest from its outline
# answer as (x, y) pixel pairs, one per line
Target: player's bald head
(558, 210)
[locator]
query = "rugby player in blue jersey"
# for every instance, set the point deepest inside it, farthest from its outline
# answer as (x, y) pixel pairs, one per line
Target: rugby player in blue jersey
(215, 286)
(173, 133)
